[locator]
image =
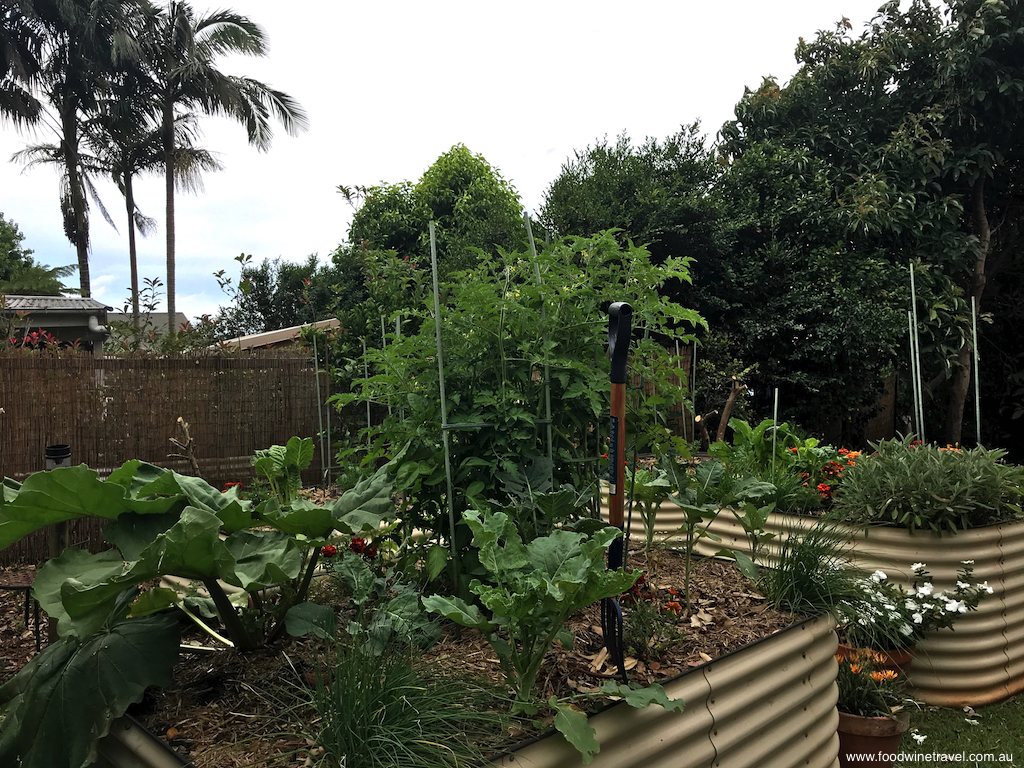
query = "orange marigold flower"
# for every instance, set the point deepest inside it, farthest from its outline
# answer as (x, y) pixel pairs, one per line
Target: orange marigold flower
(673, 607)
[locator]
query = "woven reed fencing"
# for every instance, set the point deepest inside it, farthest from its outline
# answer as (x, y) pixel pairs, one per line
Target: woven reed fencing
(112, 410)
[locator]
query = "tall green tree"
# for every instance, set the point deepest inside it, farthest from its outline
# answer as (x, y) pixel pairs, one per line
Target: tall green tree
(658, 193)
(126, 142)
(471, 205)
(19, 64)
(916, 119)
(182, 50)
(19, 272)
(278, 294)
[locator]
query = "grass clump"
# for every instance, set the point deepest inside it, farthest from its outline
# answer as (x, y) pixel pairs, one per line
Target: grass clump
(386, 712)
(811, 572)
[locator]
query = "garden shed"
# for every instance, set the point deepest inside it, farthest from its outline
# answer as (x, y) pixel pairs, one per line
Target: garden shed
(69, 318)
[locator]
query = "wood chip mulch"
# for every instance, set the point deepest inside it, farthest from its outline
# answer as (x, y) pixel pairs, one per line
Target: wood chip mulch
(231, 710)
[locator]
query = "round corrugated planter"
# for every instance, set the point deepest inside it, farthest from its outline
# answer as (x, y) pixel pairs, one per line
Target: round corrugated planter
(772, 702)
(981, 660)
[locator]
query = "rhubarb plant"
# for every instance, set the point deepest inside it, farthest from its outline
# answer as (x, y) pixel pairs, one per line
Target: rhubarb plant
(534, 589)
(162, 524)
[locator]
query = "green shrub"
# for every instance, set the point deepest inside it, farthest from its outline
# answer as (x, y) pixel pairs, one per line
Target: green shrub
(912, 486)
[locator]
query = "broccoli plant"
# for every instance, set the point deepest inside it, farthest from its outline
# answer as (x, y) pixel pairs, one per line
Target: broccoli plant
(535, 588)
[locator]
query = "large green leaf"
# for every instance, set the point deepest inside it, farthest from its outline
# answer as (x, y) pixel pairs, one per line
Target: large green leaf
(201, 494)
(311, 618)
(366, 505)
(403, 617)
(51, 497)
(640, 697)
(557, 559)
(501, 548)
(299, 452)
(85, 568)
(191, 548)
(261, 558)
(132, 533)
(62, 702)
(302, 517)
(356, 575)
(456, 609)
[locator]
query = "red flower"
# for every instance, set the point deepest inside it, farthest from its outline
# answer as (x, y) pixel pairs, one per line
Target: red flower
(357, 545)
(329, 550)
(370, 553)
(825, 490)
(229, 486)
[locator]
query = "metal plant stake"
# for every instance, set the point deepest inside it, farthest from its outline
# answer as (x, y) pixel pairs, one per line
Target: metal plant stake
(916, 344)
(444, 415)
(547, 367)
(977, 390)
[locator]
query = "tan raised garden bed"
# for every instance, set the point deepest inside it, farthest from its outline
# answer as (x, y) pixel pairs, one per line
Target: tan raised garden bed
(772, 702)
(980, 661)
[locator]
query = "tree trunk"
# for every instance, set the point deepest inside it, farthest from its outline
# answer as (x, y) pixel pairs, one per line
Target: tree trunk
(723, 423)
(129, 197)
(962, 376)
(78, 203)
(169, 181)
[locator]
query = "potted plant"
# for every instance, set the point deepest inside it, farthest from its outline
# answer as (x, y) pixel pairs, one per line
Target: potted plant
(890, 619)
(871, 709)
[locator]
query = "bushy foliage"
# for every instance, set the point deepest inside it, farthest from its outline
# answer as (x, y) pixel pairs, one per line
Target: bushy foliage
(502, 322)
(471, 205)
(20, 274)
(920, 486)
(279, 294)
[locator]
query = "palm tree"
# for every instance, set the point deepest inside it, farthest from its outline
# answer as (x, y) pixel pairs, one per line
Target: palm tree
(80, 43)
(19, 64)
(182, 52)
(128, 142)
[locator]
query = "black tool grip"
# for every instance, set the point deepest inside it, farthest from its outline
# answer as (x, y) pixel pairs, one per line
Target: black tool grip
(619, 329)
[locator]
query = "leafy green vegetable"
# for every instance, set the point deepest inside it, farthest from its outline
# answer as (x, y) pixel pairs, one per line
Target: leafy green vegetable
(282, 465)
(536, 588)
(62, 703)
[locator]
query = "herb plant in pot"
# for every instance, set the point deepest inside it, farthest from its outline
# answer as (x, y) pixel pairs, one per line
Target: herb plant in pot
(871, 716)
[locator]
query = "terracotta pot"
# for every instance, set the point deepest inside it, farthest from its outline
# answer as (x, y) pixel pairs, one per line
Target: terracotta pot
(898, 658)
(870, 737)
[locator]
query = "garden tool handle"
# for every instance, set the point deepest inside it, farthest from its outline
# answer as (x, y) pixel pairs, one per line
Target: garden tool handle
(619, 331)
(620, 315)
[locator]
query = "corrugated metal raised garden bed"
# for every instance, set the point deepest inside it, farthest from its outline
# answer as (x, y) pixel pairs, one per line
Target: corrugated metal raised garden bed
(981, 660)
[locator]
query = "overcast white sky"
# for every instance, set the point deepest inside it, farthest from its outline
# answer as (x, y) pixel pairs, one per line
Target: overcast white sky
(391, 85)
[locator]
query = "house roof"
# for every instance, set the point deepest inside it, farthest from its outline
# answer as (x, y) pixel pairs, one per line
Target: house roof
(52, 303)
(272, 338)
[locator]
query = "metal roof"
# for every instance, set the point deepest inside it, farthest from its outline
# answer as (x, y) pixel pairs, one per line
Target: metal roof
(270, 338)
(52, 303)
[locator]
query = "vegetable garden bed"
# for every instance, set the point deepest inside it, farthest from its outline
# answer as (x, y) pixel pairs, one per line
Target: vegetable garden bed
(981, 661)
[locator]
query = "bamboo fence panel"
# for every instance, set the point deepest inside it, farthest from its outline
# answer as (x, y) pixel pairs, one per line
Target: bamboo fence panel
(114, 409)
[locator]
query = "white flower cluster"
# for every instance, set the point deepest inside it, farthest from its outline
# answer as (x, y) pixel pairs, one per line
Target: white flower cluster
(886, 612)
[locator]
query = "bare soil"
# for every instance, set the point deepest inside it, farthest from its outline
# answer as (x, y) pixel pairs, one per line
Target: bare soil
(227, 710)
